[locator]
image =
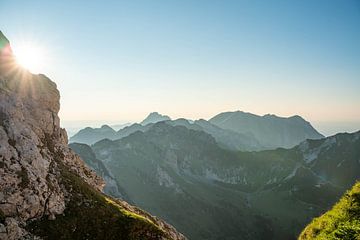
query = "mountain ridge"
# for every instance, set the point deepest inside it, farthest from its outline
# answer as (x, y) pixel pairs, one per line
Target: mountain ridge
(270, 130)
(229, 138)
(170, 166)
(154, 117)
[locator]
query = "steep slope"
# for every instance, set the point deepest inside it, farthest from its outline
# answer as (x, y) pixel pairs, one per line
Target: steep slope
(146, 160)
(45, 189)
(271, 131)
(154, 117)
(86, 153)
(176, 172)
(341, 222)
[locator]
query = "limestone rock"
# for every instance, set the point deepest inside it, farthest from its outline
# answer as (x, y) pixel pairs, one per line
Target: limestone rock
(33, 150)
(31, 144)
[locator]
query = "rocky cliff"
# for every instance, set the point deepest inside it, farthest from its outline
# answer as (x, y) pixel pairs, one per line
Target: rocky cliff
(46, 191)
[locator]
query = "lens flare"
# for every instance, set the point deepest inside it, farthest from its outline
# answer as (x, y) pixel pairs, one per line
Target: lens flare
(31, 57)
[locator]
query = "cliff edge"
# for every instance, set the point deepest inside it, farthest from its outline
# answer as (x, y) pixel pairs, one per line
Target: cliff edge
(46, 191)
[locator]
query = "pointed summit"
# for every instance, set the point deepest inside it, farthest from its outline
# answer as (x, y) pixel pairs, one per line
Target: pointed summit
(154, 117)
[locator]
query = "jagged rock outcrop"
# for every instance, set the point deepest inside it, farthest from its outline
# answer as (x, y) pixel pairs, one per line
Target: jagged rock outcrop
(41, 177)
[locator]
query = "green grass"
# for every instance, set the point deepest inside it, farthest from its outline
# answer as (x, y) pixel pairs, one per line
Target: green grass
(341, 222)
(91, 215)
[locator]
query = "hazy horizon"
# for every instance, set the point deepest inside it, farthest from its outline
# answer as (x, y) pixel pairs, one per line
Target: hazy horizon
(119, 61)
(328, 128)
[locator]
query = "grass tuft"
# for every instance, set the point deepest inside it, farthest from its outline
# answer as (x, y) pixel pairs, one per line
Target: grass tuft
(341, 222)
(90, 214)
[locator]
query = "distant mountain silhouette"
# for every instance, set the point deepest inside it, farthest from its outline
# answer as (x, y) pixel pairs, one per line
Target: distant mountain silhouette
(233, 131)
(154, 117)
(270, 130)
(92, 135)
(225, 138)
(117, 127)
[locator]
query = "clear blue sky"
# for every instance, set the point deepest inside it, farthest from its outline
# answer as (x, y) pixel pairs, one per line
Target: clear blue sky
(116, 61)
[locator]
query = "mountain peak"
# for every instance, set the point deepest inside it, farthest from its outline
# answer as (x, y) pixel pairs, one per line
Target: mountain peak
(270, 130)
(106, 127)
(154, 117)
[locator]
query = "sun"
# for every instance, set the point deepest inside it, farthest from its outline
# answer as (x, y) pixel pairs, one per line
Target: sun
(31, 57)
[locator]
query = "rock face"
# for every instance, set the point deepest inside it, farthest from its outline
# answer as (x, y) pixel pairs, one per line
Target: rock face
(34, 157)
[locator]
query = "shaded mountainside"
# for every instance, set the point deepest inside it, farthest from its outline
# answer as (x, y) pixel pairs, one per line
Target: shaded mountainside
(341, 222)
(92, 135)
(208, 192)
(233, 131)
(46, 190)
(271, 131)
(86, 153)
(225, 138)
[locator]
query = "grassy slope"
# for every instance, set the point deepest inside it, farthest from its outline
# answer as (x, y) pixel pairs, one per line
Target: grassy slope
(341, 222)
(91, 215)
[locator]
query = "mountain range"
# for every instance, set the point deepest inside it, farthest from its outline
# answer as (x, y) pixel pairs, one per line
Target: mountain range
(234, 176)
(209, 192)
(231, 130)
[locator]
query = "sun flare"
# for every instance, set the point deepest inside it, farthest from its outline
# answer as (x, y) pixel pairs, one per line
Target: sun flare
(31, 57)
